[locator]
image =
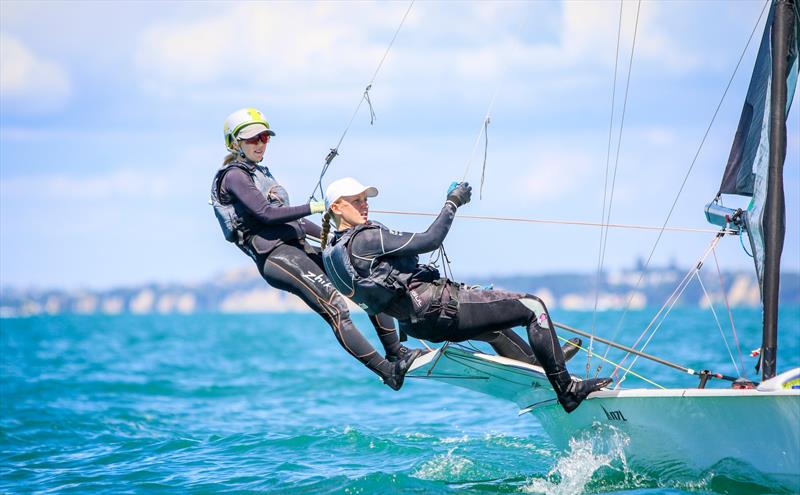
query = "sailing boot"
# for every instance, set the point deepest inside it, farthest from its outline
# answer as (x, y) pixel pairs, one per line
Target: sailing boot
(545, 345)
(395, 379)
(401, 352)
(571, 392)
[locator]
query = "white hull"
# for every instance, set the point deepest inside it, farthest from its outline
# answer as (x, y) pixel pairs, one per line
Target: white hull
(676, 429)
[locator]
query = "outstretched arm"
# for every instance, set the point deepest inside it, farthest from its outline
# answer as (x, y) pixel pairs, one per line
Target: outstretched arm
(238, 184)
(378, 242)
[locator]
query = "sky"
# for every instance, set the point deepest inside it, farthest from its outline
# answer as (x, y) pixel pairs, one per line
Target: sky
(111, 117)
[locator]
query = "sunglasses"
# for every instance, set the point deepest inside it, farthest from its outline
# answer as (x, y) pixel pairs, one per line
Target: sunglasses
(261, 138)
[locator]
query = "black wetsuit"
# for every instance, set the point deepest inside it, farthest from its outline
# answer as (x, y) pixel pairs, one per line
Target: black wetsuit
(286, 262)
(381, 270)
(438, 309)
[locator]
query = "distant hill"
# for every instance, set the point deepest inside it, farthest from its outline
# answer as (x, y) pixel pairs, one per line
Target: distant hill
(243, 290)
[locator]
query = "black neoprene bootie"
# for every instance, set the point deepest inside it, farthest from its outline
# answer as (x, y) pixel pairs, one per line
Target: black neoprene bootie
(395, 380)
(571, 392)
(402, 352)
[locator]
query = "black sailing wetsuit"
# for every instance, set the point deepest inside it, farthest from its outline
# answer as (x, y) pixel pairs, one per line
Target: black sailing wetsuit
(378, 268)
(286, 262)
(438, 309)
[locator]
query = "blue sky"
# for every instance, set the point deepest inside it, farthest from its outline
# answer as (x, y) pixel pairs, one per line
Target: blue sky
(111, 126)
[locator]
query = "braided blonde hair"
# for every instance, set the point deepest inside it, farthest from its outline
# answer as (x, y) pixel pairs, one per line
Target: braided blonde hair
(326, 228)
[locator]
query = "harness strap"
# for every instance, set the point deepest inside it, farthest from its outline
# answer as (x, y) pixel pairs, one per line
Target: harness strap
(446, 313)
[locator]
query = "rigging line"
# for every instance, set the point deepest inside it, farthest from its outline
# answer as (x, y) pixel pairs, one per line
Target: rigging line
(364, 97)
(605, 194)
(691, 273)
(674, 296)
(619, 136)
(653, 334)
(716, 319)
(483, 129)
(730, 315)
(660, 316)
(688, 172)
(604, 235)
(561, 222)
(638, 353)
(446, 266)
(655, 330)
(741, 241)
(611, 362)
(485, 152)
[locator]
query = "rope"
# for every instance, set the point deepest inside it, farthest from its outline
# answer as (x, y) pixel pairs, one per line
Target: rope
(671, 301)
(688, 172)
(364, 97)
(611, 362)
(369, 102)
(483, 131)
(679, 289)
(604, 231)
(741, 241)
(730, 315)
(485, 152)
(649, 357)
(716, 319)
(561, 222)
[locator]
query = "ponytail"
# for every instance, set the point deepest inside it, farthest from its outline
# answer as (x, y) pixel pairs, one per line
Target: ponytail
(229, 158)
(326, 228)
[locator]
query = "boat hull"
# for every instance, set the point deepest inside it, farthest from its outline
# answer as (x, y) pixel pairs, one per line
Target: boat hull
(675, 430)
(683, 430)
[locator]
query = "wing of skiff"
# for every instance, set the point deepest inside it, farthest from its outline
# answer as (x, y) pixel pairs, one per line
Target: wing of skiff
(496, 376)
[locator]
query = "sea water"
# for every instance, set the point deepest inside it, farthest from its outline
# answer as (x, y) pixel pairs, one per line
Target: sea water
(270, 403)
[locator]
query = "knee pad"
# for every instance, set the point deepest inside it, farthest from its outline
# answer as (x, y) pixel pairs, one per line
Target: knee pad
(338, 307)
(536, 305)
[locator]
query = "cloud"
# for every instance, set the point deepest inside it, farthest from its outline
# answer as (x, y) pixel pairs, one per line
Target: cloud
(554, 175)
(321, 51)
(267, 45)
(28, 79)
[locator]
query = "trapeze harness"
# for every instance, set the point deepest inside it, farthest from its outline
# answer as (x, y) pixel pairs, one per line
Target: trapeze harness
(240, 226)
(388, 286)
(287, 263)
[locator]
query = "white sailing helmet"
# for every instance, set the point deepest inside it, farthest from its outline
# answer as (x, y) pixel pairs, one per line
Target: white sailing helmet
(244, 124)
(347, 186)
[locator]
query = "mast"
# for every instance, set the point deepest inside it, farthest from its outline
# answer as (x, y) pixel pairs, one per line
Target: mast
(774, 217)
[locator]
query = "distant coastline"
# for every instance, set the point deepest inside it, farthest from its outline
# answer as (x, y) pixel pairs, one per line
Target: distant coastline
(243, 290)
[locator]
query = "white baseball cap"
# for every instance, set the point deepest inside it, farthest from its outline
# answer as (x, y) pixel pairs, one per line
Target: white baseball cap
(347, 186)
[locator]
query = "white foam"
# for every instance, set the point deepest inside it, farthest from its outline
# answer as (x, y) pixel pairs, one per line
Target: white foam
(592, 451)
(443, 467)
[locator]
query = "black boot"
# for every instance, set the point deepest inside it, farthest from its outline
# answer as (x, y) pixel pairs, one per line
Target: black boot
(398, 375)
(571, 392)
(401, 353)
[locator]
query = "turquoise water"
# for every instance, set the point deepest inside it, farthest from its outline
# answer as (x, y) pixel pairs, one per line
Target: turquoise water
(270, 403)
